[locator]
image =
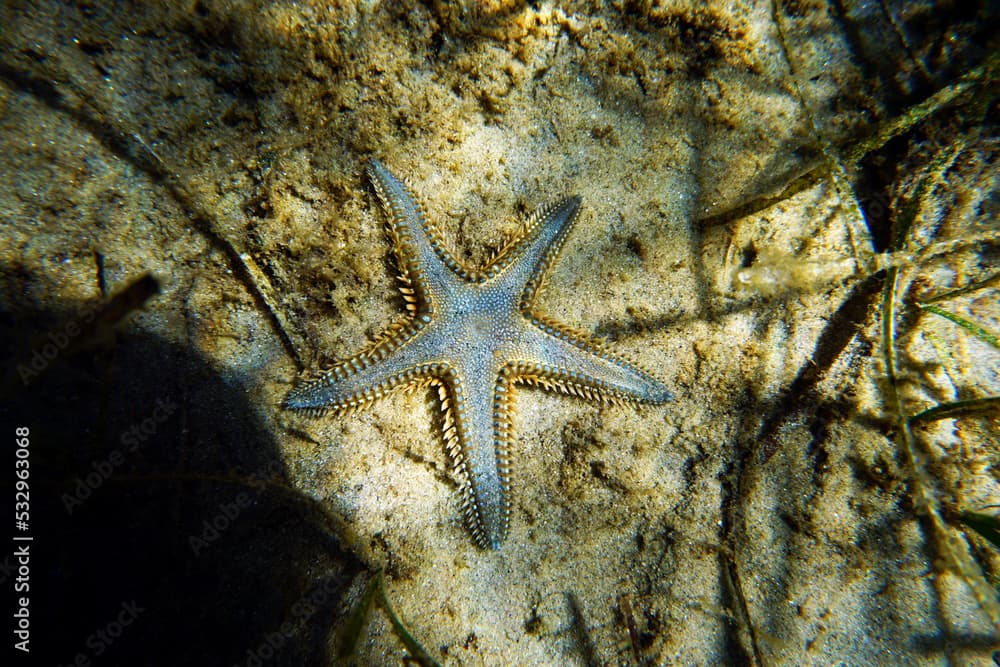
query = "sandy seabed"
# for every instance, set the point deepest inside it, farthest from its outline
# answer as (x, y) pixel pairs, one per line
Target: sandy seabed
(734, 239)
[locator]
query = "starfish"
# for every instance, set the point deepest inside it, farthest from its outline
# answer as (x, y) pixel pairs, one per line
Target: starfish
(472, 334)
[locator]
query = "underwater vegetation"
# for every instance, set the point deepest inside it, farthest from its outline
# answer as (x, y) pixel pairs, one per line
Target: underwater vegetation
(926, 235)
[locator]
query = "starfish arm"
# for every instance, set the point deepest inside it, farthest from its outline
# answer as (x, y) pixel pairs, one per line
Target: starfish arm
(569, 361)
(523, 264)
(367, 376)
(428, 266)
(474, 414)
